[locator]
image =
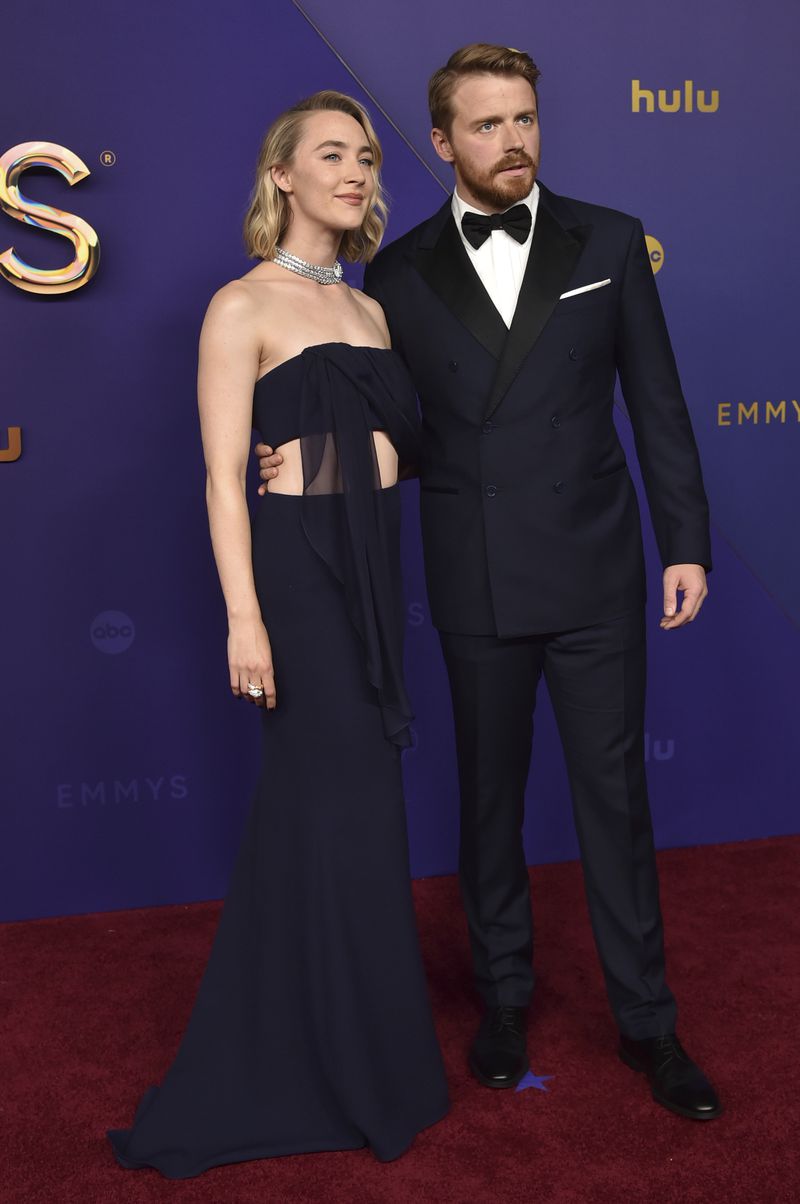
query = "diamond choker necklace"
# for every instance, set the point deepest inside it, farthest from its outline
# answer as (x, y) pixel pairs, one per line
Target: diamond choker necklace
(312, 271)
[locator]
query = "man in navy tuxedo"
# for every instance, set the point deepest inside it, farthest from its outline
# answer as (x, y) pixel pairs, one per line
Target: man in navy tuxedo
(515, 309)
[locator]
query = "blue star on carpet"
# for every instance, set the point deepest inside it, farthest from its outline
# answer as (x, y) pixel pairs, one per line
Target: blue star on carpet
(529, 1079)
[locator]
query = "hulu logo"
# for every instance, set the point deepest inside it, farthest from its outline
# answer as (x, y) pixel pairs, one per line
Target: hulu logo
(673, 100)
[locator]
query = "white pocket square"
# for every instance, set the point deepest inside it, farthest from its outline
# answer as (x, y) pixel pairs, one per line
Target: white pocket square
(586, 288)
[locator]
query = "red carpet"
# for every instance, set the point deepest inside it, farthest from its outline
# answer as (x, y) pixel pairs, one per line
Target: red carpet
(94, 1005)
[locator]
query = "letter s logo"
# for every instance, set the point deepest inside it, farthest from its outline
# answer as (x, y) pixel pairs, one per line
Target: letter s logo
(13, 202)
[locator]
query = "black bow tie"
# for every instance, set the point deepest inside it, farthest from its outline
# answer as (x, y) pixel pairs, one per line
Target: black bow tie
(478, 226)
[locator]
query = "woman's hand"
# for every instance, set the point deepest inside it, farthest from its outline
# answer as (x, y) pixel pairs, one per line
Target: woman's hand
(250, 661)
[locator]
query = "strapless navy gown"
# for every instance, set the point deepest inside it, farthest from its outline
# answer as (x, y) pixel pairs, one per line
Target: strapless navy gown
(312, 1027)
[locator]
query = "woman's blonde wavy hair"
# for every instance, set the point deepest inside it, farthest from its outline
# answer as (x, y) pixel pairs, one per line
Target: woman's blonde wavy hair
(269, 212)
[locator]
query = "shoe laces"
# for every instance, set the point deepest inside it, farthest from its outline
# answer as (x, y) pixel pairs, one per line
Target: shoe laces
(669, 1048)
(504, 1017)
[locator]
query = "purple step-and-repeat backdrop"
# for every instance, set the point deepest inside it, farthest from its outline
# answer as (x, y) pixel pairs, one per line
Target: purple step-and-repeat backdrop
(126, 765)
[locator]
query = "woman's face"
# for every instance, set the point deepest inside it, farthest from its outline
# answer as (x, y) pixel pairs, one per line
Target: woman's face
(330, 179)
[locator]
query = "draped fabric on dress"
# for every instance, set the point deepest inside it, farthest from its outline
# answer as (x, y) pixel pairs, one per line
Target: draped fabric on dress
(343, 399)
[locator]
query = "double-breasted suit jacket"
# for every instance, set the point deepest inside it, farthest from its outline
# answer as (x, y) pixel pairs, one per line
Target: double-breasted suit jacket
(529, 515)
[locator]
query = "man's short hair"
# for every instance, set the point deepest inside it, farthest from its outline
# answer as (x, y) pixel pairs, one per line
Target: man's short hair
(479, 58)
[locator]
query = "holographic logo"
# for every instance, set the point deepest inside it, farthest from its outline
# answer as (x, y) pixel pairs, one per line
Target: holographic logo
(85, 243)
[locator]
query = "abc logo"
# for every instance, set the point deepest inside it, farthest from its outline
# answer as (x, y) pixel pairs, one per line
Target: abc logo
(112, 631)
(655, 252)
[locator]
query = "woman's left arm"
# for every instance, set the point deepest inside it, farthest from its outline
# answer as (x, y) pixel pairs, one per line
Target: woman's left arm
(227, 369)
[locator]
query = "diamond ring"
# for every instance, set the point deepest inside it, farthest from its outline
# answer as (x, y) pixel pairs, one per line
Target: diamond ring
(255, 691)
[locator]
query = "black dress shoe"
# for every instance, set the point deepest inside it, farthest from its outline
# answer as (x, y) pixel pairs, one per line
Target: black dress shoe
(677, 1082)
(499, 1057)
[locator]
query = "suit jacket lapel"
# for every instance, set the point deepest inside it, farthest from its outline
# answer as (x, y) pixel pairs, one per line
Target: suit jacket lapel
(446, 267)
(553, 256)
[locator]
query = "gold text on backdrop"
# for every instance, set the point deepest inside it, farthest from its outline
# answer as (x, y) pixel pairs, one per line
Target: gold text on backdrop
(86, 258)
(13, 449)
(738, 413)
(684, 100)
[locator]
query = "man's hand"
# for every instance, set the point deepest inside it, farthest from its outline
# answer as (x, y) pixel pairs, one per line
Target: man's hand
(268, 463)
(690, 579)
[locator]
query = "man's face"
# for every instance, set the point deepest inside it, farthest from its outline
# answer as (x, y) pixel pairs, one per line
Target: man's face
(493, 142)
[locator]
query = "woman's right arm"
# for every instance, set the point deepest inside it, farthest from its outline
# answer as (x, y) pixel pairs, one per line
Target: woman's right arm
(227, 370)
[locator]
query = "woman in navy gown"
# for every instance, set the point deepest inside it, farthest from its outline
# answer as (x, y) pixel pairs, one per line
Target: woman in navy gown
(312, 1026)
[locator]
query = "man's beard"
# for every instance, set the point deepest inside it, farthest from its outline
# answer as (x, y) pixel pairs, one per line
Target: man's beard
(496, 191)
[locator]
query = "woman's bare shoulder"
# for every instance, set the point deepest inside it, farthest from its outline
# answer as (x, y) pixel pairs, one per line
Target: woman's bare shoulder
(372, 309)
(372, 306)
(245, 297)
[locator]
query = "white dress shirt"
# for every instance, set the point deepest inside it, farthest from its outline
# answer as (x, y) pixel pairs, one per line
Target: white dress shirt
(500, 261)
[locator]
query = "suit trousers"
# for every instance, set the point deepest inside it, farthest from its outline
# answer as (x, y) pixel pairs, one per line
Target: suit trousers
(596, 681)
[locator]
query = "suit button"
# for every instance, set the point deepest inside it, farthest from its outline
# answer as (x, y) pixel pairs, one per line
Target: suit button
(488, 427)
(555, 422)
(491, 491)
(558, 487)
(453, 365)
(573, 355)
